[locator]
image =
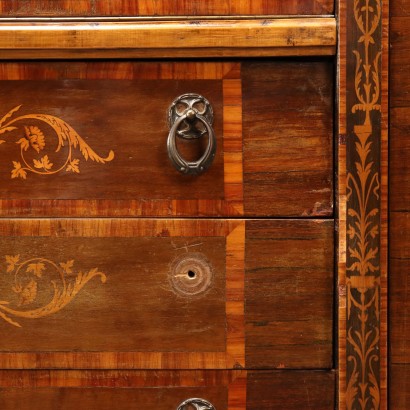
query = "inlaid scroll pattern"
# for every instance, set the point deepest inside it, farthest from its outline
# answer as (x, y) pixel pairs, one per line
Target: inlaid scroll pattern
(33, 139)
(30, 274)
(363, 217)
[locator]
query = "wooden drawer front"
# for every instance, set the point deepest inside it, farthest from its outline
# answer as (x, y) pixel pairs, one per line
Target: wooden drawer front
(166, 294)
(159, 390)
(92, 137)
(162, 7)
(122, 390)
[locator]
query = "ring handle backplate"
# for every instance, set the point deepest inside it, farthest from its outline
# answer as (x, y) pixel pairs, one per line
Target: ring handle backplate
(191, 117)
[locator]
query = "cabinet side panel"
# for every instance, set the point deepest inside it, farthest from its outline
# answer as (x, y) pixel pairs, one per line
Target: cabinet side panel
(399, 296)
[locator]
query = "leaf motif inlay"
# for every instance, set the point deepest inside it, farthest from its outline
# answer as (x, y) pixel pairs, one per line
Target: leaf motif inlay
(26, 278)
(34, 138)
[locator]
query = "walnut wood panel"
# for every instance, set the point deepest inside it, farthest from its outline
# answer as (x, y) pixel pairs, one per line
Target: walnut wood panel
(289, 294)
(399, 168)
(159, 39)
(126, 390)
(163, 7)
(399, 386)
(399, 293)
(291, 390)
(288, 138)
(398, 8)
(121, 107)
(122, 293)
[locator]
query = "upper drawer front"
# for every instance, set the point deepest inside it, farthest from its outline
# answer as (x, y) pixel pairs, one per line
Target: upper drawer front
(162, 7)
(91, 137)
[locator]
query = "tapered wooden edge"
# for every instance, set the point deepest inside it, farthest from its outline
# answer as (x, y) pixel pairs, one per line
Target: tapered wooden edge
(192, 38)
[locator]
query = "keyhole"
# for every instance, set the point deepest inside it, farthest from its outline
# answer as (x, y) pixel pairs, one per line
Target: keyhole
(191, 274)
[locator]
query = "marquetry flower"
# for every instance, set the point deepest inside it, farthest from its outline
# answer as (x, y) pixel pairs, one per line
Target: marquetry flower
(18, 171)
(44, 163)
(36, 269)
(73, 166)
(27, 293)
(12, 261)
(36, 137)
(67, 266)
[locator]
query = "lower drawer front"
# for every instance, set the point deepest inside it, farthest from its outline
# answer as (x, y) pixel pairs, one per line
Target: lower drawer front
(166, 294)
(164, 390)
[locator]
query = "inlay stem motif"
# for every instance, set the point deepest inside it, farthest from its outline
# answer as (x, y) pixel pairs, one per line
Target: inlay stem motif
(363, 217)
(33, 140)
(30, 274)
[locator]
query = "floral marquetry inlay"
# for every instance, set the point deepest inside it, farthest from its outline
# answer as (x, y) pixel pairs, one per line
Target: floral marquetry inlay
(32, 139)
(363, 209)
(58, 280)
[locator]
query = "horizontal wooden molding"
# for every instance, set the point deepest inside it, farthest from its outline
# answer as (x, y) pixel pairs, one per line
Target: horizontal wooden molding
(191, 38)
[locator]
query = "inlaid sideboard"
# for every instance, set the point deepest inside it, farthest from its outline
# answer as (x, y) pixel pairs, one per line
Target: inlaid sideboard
(194, 205)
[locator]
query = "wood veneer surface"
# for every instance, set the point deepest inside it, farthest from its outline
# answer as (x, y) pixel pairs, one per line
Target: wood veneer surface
(162, 7)
(288, 138)
(289, 293)
(399, 241)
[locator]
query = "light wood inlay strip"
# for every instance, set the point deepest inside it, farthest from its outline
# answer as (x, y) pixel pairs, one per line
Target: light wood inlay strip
(203, 38)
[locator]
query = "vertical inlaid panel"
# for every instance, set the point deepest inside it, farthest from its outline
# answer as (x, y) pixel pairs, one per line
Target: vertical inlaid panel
(363, 205)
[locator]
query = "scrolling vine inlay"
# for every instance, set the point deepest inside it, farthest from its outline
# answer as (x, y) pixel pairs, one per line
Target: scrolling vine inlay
(33, 138)
(27, 277)
(363, 209)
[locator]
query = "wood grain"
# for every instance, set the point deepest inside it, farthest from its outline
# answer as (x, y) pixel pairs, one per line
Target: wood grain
(138, 308)
(399, 239)
(399, 386)
(121, 390)
(341, 226)
(291, 390)
(162, 7)
(288, 160)
(203, 38)
(257, 391)
(289, 294)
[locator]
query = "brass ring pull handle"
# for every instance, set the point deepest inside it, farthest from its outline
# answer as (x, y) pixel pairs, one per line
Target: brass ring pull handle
(197, 404)
(191, 117)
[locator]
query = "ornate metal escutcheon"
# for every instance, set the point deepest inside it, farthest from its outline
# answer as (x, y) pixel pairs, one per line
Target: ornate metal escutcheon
(197, 404)
(191, 117)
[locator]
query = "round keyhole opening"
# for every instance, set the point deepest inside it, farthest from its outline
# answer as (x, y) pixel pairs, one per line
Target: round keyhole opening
(191, 274)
